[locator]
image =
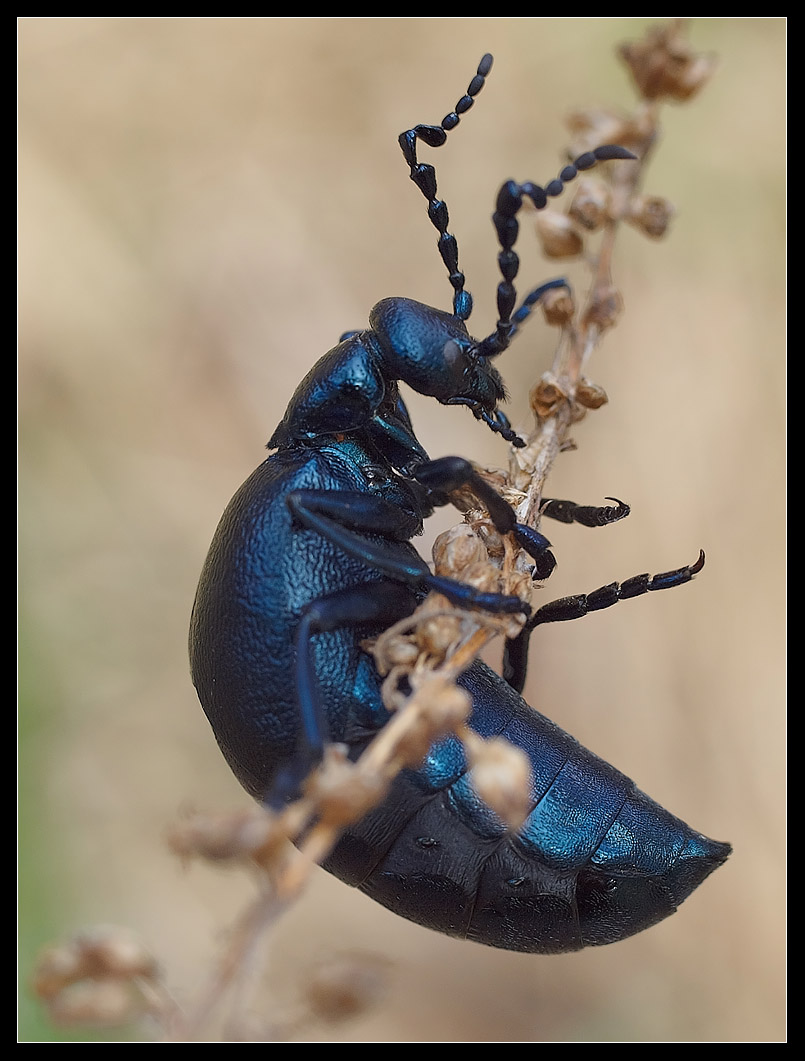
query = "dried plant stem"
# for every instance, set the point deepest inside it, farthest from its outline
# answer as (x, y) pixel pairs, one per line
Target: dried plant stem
(236, 970)
(529, 467)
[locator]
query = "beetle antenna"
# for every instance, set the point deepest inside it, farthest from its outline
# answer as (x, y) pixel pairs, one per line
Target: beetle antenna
(509, 200)
(424, 177)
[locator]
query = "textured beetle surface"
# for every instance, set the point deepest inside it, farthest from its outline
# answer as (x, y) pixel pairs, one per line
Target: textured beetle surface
(313, 556)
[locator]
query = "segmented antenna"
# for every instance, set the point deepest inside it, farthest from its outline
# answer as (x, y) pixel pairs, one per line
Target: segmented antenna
(509, 201)
(424, 177)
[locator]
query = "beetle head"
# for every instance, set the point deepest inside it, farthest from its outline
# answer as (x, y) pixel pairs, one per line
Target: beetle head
(432, 352)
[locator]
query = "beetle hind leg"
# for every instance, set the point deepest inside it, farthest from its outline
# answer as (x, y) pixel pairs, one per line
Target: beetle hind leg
(371, 603)
(515, 652)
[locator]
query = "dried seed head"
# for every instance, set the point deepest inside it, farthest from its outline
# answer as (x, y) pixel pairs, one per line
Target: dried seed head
(606, 305)
(436, 708)
(558, 235)
(93, 978)
(414, 743)
(596, 126)
(590, 395)
(664, 66)
(651, 214)
(399, 650)
(435, 637)
(343, 791)
(558, 307)
(95, 953)
(546, 396)
(494, 542)
(110, 950)
(590, 205)
(96, 1003)
(224, 837)
(446, 705)
(346, 985)
(501, 775)
(56, 967)
(694, 75)
(457, 549)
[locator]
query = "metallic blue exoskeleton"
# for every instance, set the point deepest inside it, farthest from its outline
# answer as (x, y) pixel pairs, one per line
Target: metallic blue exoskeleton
(313, 556)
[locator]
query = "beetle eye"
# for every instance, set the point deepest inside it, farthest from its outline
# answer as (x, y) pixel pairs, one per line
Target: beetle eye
(453, 354)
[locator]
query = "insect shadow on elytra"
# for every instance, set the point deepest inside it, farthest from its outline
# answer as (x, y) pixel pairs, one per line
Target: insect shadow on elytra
(313, 555)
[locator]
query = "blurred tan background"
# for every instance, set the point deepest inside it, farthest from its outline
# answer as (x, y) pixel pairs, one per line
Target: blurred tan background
(205, 205)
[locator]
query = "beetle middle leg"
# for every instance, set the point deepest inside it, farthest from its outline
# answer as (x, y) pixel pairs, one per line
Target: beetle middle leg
(586, 515)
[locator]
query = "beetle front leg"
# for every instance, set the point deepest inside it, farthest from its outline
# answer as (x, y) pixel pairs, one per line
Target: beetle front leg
(340, 515)
(454, 473)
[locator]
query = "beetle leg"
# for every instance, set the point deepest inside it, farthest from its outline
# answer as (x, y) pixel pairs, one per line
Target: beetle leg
(515, 652)
(338, 521)
(353, 510)
(379, 603)
(586, 515)
(453, 473)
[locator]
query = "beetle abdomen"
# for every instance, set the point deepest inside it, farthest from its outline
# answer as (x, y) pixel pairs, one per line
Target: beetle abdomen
(595, 861)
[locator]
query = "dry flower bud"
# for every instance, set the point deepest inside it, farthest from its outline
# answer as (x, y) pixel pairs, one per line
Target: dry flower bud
(558, 307)
(546, 396)
(414, 743)
(56, 967)
(493, 540)
(102, 952)
(397, 651)
(606, 305)
(436, 636)
(346, 985)
(558, 235)
(485, 576)
(97, 1003)
(447, 706)
(519, 584)
(501, 775)
(224, 836)
(437, 707)
(590, 395)
(595, 126)
(651, 214)
(342, 790)
(590, 205)
(663, 64)
(111, 950)
(693, 76)
(455, 550)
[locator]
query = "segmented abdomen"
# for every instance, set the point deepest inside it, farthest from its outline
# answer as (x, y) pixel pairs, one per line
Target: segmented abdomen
(595, 861)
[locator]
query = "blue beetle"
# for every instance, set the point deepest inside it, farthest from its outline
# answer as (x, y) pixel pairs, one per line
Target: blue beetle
(313, 556)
